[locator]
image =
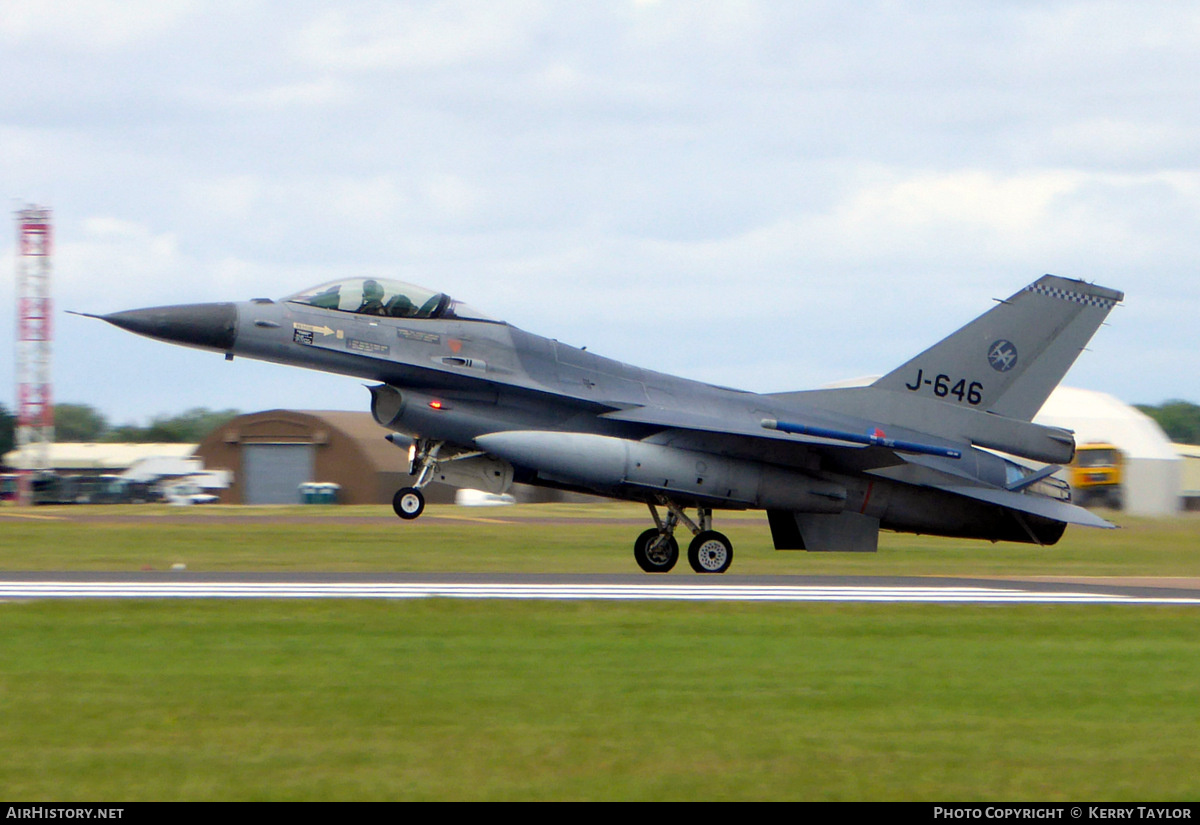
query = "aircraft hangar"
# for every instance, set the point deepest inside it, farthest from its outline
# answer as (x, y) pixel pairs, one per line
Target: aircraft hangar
(271, 453)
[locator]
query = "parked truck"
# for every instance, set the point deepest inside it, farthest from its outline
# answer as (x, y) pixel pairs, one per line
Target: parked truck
(1097, 475)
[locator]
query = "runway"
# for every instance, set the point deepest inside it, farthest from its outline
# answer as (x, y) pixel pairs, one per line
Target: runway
(862, 589)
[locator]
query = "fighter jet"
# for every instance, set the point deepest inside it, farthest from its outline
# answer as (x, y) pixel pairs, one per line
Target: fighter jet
(942, 445)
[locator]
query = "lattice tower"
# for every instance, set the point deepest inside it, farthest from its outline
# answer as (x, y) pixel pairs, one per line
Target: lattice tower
(35, 396)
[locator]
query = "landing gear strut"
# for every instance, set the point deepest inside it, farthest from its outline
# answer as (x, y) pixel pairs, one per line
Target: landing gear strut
(409, 502)
(656, 550)
(431, 460)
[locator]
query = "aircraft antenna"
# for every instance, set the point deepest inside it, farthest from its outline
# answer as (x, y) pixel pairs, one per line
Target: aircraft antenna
(35, 405)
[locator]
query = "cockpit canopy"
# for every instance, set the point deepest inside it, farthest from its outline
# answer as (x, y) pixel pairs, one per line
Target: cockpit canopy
(380, 296)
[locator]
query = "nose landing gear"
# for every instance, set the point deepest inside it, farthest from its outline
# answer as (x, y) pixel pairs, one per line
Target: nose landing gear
(409, 502)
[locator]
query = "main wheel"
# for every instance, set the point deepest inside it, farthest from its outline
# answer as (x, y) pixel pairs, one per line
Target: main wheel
(656, 552)
(710, 552)
(409, 502)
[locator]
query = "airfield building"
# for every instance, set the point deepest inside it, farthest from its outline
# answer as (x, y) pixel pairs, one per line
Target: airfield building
(1190, 453)
(271, 453)
(1152, 483)
(75, 458)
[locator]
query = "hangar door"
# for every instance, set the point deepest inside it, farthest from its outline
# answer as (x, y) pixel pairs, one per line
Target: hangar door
(273, 473)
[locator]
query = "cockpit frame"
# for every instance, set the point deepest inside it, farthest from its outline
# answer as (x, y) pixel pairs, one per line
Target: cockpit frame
(386, 298)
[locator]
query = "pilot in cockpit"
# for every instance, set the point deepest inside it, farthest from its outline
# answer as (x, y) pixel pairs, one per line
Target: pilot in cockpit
(372, 300)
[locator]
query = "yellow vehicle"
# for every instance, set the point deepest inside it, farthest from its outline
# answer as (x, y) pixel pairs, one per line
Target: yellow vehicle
(1096, 475)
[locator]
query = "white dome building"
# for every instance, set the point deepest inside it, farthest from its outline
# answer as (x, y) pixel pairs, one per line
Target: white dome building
(1151, 485)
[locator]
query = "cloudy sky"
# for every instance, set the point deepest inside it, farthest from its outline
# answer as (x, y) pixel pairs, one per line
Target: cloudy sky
(770, 195)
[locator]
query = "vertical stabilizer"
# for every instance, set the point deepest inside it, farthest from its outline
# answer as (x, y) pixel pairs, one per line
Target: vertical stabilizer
(1008, 360)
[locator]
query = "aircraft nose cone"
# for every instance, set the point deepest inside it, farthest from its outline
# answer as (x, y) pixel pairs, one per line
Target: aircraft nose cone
(211, 326)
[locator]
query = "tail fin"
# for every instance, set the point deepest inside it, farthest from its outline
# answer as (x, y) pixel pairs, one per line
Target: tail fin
(1008, 360)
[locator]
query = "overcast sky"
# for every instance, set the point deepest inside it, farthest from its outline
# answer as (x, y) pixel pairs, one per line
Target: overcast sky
(769, 195)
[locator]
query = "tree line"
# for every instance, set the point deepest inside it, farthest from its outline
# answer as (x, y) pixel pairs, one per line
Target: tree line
(84, 423)
(1180, 420)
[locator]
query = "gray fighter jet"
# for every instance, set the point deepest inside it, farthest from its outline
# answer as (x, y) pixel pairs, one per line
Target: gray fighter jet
(931, 447)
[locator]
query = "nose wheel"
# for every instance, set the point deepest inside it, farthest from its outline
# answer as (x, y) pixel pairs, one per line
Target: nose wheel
(657, 551)
(409, 502)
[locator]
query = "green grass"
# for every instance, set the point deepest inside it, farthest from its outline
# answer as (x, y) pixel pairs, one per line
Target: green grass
(534, 538)
(458, 699)
(440, 699)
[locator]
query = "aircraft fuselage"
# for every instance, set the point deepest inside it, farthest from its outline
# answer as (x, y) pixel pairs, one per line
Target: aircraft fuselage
(831, 467)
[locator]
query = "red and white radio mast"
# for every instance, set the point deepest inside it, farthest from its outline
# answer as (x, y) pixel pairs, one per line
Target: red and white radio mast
(35, 404)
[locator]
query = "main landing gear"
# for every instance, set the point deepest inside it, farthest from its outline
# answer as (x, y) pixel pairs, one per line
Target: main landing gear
(656, 550)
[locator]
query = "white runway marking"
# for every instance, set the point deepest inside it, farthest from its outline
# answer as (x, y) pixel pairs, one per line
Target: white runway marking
(646, 592)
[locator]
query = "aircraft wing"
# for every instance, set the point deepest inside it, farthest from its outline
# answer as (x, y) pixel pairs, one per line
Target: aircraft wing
(757, 427)
(752, 428)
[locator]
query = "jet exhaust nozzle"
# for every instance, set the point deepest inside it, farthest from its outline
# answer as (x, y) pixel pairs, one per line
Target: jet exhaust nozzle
(208, 326)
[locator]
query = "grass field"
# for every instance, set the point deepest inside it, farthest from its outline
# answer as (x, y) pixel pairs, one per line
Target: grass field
(448, 699)
(532, 538)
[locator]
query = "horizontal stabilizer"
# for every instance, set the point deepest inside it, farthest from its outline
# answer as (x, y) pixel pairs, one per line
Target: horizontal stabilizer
(1030, 503)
